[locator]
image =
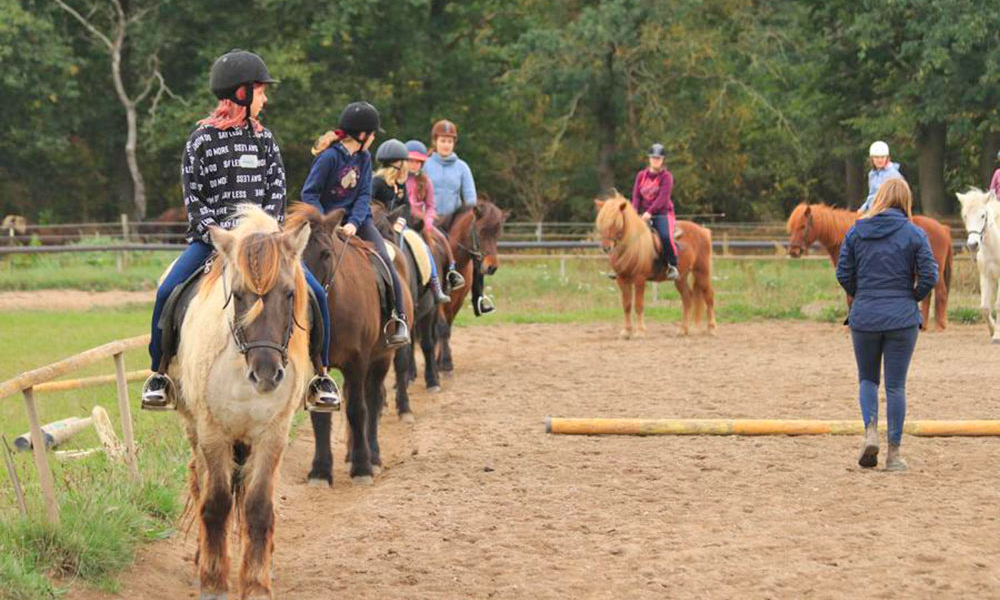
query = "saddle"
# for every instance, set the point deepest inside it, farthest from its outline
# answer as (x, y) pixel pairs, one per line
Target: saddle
(175, 308)
(421, 257)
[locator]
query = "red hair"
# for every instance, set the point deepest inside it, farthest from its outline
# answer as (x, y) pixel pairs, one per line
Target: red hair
(228, 114)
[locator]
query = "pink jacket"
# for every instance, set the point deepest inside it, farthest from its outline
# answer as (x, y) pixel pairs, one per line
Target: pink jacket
(424, 208)
(995, 183)
(651, 192)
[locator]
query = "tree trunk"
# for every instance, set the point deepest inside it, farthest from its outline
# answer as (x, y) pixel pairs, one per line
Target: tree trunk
(607, 125)
(854, 178)
(988, 157)
(132, 124)
(931, 141)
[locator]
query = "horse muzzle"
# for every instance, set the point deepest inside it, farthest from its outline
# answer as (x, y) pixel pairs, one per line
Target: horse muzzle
(795, 251)
(973, 242)
(265, 370)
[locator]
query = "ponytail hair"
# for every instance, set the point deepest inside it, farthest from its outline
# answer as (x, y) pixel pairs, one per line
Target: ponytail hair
(389, 174)
(326, 140)
(228, 114)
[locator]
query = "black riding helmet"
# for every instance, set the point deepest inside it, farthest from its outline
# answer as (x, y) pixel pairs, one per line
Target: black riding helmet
(235, 69)
(657, 151)
(391, 150)
(359, 117)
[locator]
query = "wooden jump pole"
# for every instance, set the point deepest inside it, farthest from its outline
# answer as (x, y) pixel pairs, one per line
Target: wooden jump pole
(758, 427)
(126, 415)
(41, 458)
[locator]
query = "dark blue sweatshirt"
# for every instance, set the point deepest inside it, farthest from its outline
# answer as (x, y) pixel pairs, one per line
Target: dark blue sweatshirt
(879, 261)
(339, 179)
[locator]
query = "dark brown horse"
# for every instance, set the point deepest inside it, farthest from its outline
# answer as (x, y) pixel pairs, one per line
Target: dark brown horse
(357, 341)
(473, 234)
(810, 223)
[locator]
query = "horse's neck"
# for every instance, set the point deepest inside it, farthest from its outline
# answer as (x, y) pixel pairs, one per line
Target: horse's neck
(634, 230)
(989, 245)
(460, 239)
(833, 236)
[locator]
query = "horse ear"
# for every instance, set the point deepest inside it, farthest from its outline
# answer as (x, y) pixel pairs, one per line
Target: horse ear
(623, 206)
(335, 217)
(599, 204)
(295, 240)
(397, 213)
(992, 196)
(223, 241)
(504, 215)
(477, 210)
(808, 211)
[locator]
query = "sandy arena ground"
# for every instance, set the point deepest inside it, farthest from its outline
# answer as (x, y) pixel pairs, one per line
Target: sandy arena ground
(478, 502)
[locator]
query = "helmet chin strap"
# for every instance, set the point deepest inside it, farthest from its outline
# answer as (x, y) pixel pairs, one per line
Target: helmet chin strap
(248, 103)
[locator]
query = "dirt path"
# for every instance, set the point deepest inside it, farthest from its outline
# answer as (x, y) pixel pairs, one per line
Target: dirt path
(478, 502)
(71, 299)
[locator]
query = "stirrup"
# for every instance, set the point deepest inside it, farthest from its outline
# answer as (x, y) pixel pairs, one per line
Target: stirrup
(400, 322)
(486, 305)
(312, 403)
(159, 400)
(673, 273)
(454, 279)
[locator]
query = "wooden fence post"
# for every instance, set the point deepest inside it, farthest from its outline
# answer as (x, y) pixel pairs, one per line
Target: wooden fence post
(14, 481)
(41, 458)
(126, 414)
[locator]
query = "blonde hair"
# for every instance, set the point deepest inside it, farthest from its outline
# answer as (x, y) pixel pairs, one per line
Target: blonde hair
(325, 141)
(894, 193)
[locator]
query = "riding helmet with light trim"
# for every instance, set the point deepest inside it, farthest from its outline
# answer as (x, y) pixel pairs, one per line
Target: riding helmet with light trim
(657, 151)
(878, 148)
(444, 127)
(417, 149)
(237, 68)
(359, 117)
(390, 151)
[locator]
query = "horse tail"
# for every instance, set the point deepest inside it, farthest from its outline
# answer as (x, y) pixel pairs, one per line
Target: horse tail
(702, 269)
(949, 258)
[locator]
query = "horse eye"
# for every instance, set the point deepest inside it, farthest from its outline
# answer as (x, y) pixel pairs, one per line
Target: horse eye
(238, 296)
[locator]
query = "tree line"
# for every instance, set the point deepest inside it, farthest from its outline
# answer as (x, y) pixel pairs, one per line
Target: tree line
(760, 104)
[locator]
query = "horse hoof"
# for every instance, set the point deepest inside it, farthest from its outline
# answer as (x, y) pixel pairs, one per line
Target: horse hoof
(207, 596)
(316, 482)
(363, 480)
(376, 470)
(407, 418)
(624, 334)
(434, 389)
(995, 341)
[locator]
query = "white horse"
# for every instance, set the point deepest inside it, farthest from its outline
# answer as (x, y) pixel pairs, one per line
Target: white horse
(981, 216)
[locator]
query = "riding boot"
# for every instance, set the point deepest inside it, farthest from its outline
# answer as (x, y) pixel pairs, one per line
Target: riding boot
(324, 396)
(439, 296)
(454, 278)
(672, 273)
(158, 393)
(893, 462)
(401, 336)
(869, 450)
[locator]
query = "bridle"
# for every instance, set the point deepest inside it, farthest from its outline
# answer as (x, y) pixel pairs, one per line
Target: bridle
(986, 224)
(239, 337)
(802, 245)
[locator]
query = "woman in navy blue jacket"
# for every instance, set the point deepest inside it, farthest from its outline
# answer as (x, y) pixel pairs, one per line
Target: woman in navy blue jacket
(883, 254)
(341, 177)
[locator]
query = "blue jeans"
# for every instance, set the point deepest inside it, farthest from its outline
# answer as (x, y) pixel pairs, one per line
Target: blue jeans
(662, 225)
(192, 259)
(896, 347)
(370, 234)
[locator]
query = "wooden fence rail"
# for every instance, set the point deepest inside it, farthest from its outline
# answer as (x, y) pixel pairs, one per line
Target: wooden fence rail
(40, 379)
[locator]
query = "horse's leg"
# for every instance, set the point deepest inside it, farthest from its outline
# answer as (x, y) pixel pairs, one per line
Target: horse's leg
(686, 300)
(322, 464)
(358, 453)
(445, 363)
(941, 299)
(401, 364)
(626, 287)
(411, 374)
(259, 476)
(993, 311)
(707, 294)
(215, 462)
(640, 306)
(428, 339)
(374, 399)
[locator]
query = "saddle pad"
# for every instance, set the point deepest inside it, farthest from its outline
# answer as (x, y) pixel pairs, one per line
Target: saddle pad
(420, 254)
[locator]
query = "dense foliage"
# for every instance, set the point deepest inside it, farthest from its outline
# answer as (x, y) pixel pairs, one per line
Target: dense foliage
(760, 104)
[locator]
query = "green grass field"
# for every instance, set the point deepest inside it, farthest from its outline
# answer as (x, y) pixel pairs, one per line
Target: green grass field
(105, 516)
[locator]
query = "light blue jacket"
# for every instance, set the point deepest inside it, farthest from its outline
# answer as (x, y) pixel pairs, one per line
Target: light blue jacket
(452, 181)
(876, 177)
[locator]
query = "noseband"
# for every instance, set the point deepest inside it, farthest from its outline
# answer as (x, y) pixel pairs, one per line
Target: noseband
(802, 245)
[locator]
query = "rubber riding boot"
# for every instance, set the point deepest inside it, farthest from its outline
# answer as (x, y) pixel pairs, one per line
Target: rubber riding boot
(400, 337)
(324, 396)
(612, 275)
(893, 462)
(439, 296)
(869, 450)
(454, 278)
(158, 393)
(486, 305)
(672, 273)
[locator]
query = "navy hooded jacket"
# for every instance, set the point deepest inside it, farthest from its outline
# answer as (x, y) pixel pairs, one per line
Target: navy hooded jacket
(879, 261)
(339, 179)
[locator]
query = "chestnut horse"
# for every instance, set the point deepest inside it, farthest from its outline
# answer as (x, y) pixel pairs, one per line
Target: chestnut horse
(242, 368)
(357, 341)
(472, 234)
(810, 223)
(633, 249)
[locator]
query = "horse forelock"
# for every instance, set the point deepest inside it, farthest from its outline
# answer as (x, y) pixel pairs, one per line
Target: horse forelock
(795, 219)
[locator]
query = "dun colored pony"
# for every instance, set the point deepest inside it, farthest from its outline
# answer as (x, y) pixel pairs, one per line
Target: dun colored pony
(809, 223)
(633, 249)
(473, 234)
(357, 342)
(981, 215)
(242, 368)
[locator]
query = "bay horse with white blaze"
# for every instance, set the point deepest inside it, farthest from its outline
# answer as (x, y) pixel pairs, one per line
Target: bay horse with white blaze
(810, 223)
(633, 249)
(242, 368)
